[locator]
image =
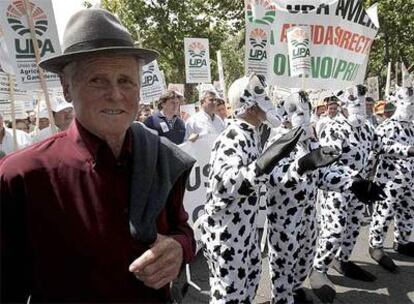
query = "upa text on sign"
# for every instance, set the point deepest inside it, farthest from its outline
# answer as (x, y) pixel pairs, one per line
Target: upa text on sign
(197, 60)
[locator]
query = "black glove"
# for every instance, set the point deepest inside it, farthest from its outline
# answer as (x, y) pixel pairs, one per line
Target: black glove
(411, 152)
(321, 157)
(367, 191)
(362, 90)
(280, 149)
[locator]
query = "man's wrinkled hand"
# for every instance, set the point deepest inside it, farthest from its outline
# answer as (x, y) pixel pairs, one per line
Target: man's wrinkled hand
(160, 264)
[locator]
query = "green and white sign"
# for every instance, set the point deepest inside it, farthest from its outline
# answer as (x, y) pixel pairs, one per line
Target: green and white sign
(20, 46)
(152, 83)
(341, 36)
(197, 60)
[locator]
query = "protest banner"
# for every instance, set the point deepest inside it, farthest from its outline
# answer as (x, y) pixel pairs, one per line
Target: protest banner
(197, 60)
(407, 78)
(152, 83)
(373, 88)
(188, 109)
(19, 41)
(196, 187)
(298, 38)
(256, 54)
(5, 88)
(178, 87)
(341, 35)
(6, 109)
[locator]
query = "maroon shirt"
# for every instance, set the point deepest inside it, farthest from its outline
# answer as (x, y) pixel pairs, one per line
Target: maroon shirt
(64, 223)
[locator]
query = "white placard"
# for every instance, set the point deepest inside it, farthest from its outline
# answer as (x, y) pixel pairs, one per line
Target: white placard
(197, 60)
(19, 109)
(14, 23)
(152, 83)
(373, 88)
(299, 51)
(195, 194)
(257, 43)
(341, 35)
(178, 87)
(5, 89)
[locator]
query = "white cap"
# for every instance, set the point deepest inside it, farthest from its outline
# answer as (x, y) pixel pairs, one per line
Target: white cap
(58, 103)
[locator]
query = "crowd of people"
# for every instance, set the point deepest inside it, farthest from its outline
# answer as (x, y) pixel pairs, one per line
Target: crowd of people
(94, 213)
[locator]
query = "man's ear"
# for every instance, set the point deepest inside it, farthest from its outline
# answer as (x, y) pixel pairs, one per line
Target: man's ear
(65, 87)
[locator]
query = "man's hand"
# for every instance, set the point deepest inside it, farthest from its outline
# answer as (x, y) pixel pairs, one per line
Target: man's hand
(160, 264)
(193, 137)
(367, 191)
(318, 158)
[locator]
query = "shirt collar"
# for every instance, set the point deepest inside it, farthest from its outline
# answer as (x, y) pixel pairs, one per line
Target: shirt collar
(92, 144)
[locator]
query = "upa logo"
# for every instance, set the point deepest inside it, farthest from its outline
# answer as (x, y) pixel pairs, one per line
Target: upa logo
(149, 76)
(17, 19)
(300, 42)
(258, 41)
(261, 12)
(197, 55)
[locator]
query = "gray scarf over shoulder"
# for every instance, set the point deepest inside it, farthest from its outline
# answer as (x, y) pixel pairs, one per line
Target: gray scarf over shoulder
(157, 165)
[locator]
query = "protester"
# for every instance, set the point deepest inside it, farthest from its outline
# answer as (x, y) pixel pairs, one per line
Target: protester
(7, 139)
(370, 112)
(221, 109)
(238, 169)
(341, 213)
(63, 116)
(396, 176)
(204, 121)
(95, 213)
(22, 124)
(144, 111)
(166, 121)
(32, 121)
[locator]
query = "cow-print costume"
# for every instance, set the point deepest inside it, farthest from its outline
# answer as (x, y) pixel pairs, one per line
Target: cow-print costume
(291, 215)
(396, 176)
(229, 234)
(341, 213)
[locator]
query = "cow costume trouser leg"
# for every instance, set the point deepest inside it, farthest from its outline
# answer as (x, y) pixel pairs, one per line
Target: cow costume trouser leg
(307, 247)
(399, 205)
(333, 219)
(234, 260)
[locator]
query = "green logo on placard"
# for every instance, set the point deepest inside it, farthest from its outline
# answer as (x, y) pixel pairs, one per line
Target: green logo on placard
(261, 12)
(16, 17)
(197, 53)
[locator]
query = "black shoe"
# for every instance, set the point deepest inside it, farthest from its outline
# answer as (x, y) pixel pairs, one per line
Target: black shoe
(353, 271)
(378, 255)
(322, 286)
(301, 297)
(405, 249)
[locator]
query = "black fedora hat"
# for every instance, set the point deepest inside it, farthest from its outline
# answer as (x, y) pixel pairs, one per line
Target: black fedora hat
(95, 31)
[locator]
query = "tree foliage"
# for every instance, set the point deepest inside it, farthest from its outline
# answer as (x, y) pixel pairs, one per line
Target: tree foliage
(163, 24)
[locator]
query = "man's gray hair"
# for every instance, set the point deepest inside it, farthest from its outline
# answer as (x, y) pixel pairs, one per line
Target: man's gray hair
(205, 94)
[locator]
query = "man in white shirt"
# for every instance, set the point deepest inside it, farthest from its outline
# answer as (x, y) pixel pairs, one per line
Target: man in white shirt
(63, 115)
(6, 139)
(205, 121)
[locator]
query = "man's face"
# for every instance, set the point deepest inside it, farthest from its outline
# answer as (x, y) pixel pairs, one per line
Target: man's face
(332, 110)
(369, 107)
(43, 123)
(63, 118)
(222, 111)
(170, 106)
(209, 103)
(104, 91)
(320, 110)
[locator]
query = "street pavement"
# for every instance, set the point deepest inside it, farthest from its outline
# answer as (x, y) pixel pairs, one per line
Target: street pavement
(389, 288)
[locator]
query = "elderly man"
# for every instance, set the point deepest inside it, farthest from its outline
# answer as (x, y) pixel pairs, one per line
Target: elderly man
(166, 121)
(94, 213)
(7, 139)
(63, 115)
(205, 121)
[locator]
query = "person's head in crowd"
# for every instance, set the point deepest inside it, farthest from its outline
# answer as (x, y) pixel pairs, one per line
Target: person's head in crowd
(62, 113)
(320, 108)
(369, 103)
(144, 111)
(22, 124)
(208, 102)
(169, 103)
(250, 102)
(331, 106)
(32, 117)
(221, 109)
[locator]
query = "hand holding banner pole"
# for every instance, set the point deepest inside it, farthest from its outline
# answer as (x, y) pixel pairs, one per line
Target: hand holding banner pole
(43, 83)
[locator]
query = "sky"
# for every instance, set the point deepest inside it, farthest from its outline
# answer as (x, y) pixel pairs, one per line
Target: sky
(64, 9)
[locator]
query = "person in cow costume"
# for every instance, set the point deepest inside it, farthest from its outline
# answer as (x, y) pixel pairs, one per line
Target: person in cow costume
(238, 170)
(341, 213)
(396, 177)
(291, 204)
